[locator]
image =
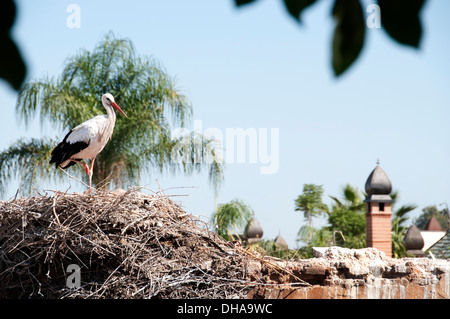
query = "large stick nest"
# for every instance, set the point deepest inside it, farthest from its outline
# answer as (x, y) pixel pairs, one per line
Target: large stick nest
(127, 245)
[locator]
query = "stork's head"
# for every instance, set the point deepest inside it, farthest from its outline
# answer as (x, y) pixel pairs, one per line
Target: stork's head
(108, 101)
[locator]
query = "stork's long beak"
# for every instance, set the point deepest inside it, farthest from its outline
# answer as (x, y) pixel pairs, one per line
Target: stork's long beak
(118, 108)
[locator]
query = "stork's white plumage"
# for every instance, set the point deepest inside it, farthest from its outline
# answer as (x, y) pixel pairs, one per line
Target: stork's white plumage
(88, 139)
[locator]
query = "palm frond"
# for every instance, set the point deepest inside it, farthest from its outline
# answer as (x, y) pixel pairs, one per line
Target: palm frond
(337, 201)
(26, 160)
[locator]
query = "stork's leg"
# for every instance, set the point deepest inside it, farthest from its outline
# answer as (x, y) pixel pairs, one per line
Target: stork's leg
(88, 171)
(86, 168)
(91, 171)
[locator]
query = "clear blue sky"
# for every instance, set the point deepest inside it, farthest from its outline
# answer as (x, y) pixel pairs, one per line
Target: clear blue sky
(255, 67)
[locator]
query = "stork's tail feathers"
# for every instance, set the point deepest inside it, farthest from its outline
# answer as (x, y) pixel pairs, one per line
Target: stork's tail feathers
(60, 155)
(57, 155)
(64, 151)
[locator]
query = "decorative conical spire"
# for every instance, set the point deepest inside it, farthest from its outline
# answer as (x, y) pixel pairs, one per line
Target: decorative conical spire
(254, 229)
(279, 240)
(414, 241)
(378, 185)
(378, 182)
(433, 224)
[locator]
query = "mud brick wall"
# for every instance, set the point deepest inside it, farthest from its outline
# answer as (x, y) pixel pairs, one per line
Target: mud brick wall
(342, 273)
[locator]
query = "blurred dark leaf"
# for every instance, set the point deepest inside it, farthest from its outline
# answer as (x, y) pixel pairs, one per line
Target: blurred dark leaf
(349, 33)
(400, 19)
(295, 7)
(12, 67)
(7, 15)
(241, 2)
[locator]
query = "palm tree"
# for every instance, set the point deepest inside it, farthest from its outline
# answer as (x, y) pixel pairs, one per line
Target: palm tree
(311, 205)
(347, 217)
(141, 143)
(230, 218)
(352, 199)
(310, 202)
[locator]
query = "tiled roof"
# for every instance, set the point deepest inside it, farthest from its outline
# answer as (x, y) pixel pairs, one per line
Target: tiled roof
(442, 248)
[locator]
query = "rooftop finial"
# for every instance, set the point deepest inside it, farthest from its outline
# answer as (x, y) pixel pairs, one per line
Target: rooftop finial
(378, 161)
(378, 183)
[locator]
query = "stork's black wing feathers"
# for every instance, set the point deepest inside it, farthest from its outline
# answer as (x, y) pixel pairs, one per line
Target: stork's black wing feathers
(65, 150)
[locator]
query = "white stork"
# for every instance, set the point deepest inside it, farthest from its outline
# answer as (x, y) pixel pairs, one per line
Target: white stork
(87, 139)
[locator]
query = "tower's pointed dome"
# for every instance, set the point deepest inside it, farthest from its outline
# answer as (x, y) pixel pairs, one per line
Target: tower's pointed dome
(378, 186)
(254, 229)
(279, 240)
(413, 239)
(378, 182)
(414, 242)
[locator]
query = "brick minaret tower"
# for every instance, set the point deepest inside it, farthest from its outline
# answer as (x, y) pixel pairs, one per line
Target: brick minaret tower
(379, 211)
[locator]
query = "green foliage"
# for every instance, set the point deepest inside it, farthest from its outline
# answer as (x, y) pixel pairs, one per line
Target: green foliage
(314, 237)
(352, 200)
(148, 95)
(307, 234)
(270, 248)
(310, 201)
(347, 216)
(26, 160)
(231, 218)
(398, 236)
(351, 223)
